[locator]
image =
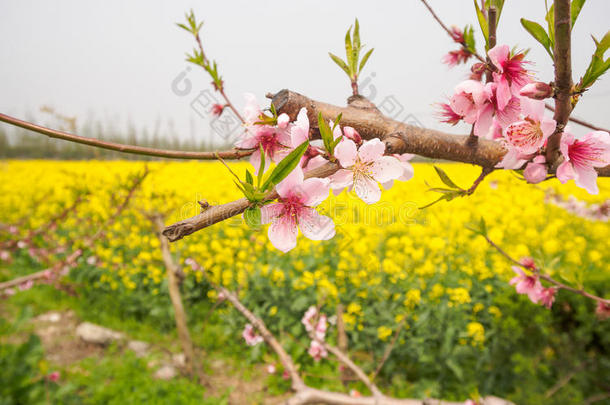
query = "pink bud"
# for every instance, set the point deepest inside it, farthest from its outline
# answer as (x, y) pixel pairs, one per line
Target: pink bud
(217, 110)
(603, 310)
(529, 263)
(352, 134)
(535, 171)
(536, 90)
(54, 376)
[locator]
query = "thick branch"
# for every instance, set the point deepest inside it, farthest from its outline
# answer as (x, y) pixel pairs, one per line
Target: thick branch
(563, 76)
(138, 150)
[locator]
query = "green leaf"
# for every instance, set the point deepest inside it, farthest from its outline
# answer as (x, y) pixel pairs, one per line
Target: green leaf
(469, 38)
(340, 63)
(285, 166)
(550, 22)
(365, 58)
(325, 133)
(598, 66)
(499, 5)
(261, 167)
(482, 23)
(348, 46)
(252, 217)
(455, 368)
(337, 120)
(249, 178)
(445, 178)
(539, 34)
(357, 36)
(575, 11)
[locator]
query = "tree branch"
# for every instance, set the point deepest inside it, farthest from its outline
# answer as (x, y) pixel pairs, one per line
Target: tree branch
(563, 76)
(138, 150)
(579, 121)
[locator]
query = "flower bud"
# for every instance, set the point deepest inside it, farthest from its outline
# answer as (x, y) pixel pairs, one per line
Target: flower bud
(528, 262)
(537, 90)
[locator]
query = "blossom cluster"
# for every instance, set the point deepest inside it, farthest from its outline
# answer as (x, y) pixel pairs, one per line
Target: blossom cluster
(509, 109)
(530, 284)
(316, 325)
(363, 167)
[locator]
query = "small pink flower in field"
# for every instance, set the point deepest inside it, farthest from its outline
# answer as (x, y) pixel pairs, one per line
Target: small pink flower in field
(603, 310)
(470, 402)
(454, 58)
(295, 209)
(528, 262)
(547, 296)
(321, 326)
(317, 350)
(446, 114)
(250, 336)
(530, 134)
(536, 90)
(286, 375)
(47, 275)
(536, 171)
(26, 285)
(582, 156)
(525, 284)
(363, 168)
(271, 369)
(21, 244)
(91, 260)
(54, 376)
(309, 318)
(354, 393)
(511, 75)
(5, 256)
(217, 109)
(13, 230)
(9, 292)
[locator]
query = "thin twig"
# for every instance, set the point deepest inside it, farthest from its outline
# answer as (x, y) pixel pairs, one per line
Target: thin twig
(485, 171)
(138, 150)
(579, 121)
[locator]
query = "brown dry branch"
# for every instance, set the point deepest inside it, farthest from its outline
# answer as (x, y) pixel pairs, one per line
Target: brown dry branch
(306, 395)
(370, 123)
(192, 366)
(87, 242)
(138, 150)
(546, 277)
(563, 76)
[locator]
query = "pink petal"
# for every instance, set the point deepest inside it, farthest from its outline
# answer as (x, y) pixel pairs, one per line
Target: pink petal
(299, 133)
(407, 171)
(346, 151)
(255, 160)
(388, 184)
(337, 131)
(315, 191)
(252, 109)
(586, 177)
(567, 139)
(367, 189)
(547, 126)
(248, 140)
(315, 162)
(341, 179)
(283, 120)
(503, 93)
(315, 226)
(386, 168)
(283, 233)
(531, 108)
(484, 121)
(270, 212)
(291, 183)
(499, 55)
(565, 172)
(371, 150)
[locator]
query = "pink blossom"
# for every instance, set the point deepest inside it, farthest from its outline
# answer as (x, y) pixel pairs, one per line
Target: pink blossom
(525, 284)
(91, 260)
(407, 169)
(54, 376)
(321, 326)
(530, 134)
(250, 336)
(5, 255)
(295, 209)
(536, 90)
(536, 171)
(317, 350)
(511, 75)
(528, 262)
(286, 375)
(363, 168)
(354, 393)
(491, 114)
(468, 99)
(309, 318)
(217, 110)
(351, 133)
(276, 141)
(453, 58)
(547, 296)
(582, 156)
(271, 369)
(603, 310)
(21, 244)
(26, 285)
(447, 115)
(457, 34)
(9, 292)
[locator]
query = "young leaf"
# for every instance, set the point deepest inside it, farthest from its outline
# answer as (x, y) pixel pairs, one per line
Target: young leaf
(539, 34)
(575, 11)
(348, 46)
(337, 120)
(261, 167)
(550, 22)
(249, 178)
(598, 66)
(365, 58)
(482, 23)
(252, 217)
(286, 166)
(340, 63)
(445, 178)
(325, 133)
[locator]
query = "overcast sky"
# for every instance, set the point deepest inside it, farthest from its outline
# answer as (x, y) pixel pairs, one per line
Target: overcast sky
(120, 61)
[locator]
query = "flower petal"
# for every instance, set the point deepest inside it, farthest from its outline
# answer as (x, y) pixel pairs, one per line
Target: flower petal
(386, 168)
(299, 132)
(586, 177)
(371, 150)
(341, 179)
(315, 226)
(315, 191)
(346, 151)
(367, 189)
(271, 212)
(283, 233)
(565, 172)
(291, 183)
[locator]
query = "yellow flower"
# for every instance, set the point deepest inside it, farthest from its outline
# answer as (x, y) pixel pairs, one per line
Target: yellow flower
(476, 332)
(412, 298)
(273, 311)
(383, 332)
